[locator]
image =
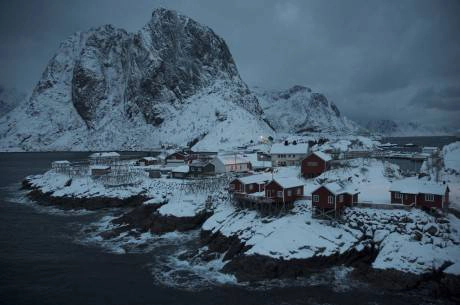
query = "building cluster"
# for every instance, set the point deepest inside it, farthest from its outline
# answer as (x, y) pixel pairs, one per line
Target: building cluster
(257, 183)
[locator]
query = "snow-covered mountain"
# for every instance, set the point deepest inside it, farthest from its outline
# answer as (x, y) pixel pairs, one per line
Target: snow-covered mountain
(174, 81)
(9, 98)
(387, 127)
(298, 110)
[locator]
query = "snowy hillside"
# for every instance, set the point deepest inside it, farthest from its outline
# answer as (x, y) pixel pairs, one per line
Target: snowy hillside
(404, 129)
(298, 109)
(173, 81)
(9, 98)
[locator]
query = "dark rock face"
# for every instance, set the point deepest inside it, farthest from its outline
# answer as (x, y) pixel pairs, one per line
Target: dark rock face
(169, 60)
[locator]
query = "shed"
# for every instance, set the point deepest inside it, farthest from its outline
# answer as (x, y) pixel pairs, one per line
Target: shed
(198, 168)
(250, 184)
(315, 164)
(334, 196)
(420, 193)
(284, 190)
(180, 172)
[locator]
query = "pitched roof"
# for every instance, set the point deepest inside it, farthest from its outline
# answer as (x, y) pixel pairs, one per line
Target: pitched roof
(337, 189)
(61, 162)
(288, 182)
(181, 169)
(199, 163)
(255, 178)
(322, 155)
(149, 158)
(232, 159)
(280, 148)
(415, 186)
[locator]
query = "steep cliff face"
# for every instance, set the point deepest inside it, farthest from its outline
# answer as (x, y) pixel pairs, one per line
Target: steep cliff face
(298, 110)
(173, 81)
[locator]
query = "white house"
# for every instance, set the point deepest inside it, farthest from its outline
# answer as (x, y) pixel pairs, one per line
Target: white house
(104, 158)
(285, 154)
(231, 163)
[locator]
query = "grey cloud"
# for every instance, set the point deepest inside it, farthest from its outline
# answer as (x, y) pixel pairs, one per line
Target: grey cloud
(351, 51)
(447, 98)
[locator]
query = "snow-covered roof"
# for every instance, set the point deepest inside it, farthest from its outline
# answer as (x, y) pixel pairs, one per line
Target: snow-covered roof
(257, 163)
(181, 169)
(337, 189)
(199, 163)
(149, 158)
(104, 154)
(415, 186)
(288, 182)
(100, 167)
(323, 155)
(255, 178)
(280, 148)
(232, 159)
(61, 162)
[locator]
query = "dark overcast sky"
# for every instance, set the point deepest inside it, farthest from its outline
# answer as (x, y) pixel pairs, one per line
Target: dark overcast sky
(375, 59)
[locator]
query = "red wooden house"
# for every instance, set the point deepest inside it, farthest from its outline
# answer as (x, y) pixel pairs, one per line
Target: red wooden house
(331, 198)
(284, 190)
(315, 164)
(419, 193)
(250, 184)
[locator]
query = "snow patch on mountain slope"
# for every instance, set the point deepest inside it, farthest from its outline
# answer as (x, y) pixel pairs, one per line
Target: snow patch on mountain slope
(298, 109)
(9, 99)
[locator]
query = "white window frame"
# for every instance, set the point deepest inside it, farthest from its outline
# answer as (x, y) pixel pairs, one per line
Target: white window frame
(330, 199)
(429, 197)
(279, 194)
(251, 187)
(289, 193)
(340, 198)
(315, 198)
(398, 195)
(299, 191)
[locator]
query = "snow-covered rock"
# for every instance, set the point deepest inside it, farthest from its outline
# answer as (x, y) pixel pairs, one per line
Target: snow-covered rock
(9, 99)
(173, 81)
(298, 109)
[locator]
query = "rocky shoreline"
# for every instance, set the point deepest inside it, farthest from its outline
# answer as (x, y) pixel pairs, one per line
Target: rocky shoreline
(255, 267)
(251, 268)
(89, 203)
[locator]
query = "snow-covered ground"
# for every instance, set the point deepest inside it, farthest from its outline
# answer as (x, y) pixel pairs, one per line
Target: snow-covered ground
(299, 236)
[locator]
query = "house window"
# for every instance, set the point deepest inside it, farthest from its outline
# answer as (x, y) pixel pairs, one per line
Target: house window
(341, 198)
(312, 163)
(232, 186)
(429, 197)
(398, 195)
(251, 187)
(330, 199)
(279, 194)
(199, 169)
(289, 192)
(299, 191)
(315, 198)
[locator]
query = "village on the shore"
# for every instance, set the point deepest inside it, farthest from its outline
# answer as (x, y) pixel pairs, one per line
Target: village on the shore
(295, 198)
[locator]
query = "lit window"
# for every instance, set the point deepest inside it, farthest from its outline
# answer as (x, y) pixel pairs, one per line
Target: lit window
(330, 199)
(429, 197)
(315, 198)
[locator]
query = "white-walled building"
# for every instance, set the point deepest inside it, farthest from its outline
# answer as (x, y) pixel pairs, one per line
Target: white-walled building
(231, 163)
(286, 154)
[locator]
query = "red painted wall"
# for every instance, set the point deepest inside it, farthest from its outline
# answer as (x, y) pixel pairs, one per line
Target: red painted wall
(313, 171)
(272, 188)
